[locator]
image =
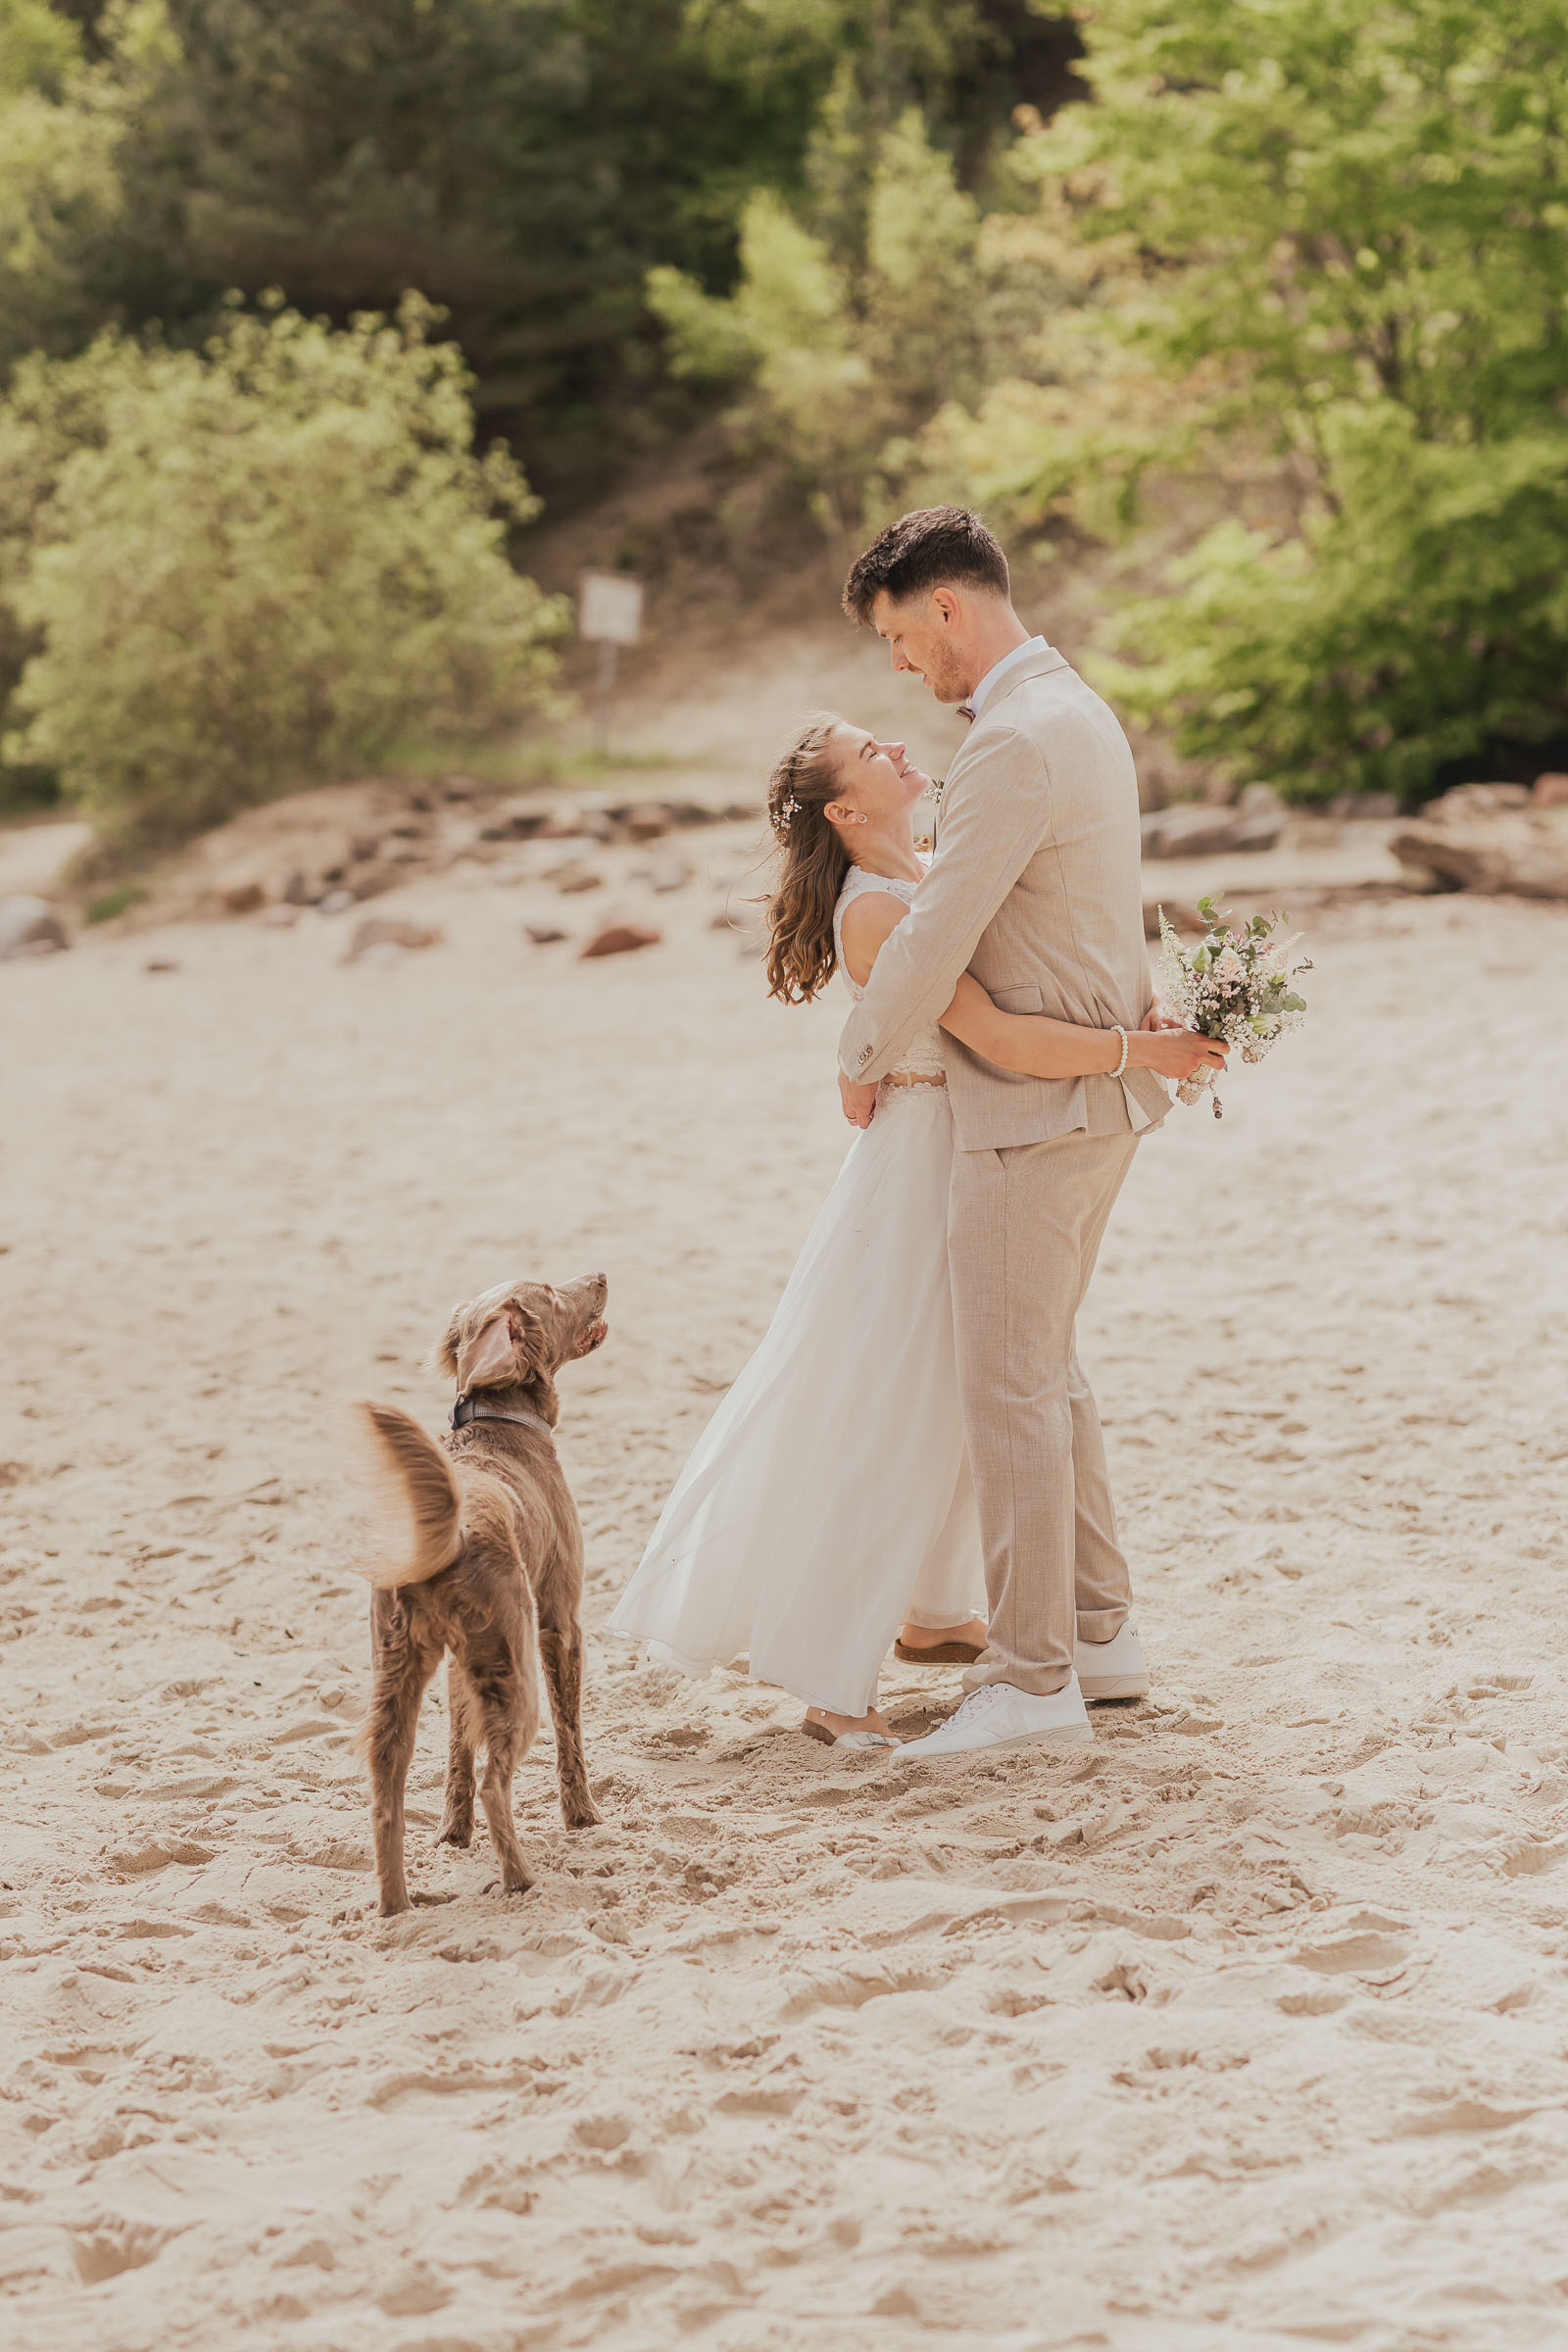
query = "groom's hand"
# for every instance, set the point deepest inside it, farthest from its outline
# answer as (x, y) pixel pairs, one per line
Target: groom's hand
(1159, 1017)
(859, 1102)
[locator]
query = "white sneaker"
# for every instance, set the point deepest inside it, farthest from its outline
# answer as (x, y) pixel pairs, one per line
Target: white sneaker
(997, 1715)
(1112, 1669)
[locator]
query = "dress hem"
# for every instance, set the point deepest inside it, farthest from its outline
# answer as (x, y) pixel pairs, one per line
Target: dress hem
(697, 1670)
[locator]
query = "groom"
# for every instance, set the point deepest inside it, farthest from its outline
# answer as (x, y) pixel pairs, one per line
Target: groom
(1034, 888)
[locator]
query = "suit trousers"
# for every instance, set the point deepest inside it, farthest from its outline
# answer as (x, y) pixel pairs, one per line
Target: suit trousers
(1024, 1231)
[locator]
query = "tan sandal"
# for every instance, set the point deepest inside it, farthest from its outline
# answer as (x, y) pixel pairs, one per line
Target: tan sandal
(940, 1653)
(819, 1731)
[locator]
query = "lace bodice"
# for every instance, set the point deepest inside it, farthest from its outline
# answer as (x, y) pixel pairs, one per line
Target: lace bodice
(922, 1056)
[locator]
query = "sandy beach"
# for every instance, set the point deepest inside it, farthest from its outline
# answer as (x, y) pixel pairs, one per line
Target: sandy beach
(1247, 2028)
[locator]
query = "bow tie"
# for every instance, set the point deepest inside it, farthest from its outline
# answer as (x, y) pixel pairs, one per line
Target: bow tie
(966, 714)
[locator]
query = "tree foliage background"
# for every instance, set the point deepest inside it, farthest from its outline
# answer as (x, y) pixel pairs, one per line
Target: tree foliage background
(1276, 288)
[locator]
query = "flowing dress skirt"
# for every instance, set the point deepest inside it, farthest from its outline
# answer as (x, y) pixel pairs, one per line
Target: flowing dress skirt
(829, 1496)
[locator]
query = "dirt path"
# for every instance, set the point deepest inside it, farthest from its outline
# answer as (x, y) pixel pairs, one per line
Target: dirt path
(1246, 2030)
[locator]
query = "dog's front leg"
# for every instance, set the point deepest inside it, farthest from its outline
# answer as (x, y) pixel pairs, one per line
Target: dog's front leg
(404, 1664)
(560, 1654)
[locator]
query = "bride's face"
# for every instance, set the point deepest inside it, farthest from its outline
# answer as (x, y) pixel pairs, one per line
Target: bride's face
(876, 780)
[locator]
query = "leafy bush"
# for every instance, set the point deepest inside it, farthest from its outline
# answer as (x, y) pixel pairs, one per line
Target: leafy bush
(259, 567)
(1420, 622)
(52, 411)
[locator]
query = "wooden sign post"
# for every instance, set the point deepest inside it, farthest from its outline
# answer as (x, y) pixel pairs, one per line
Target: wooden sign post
(609, 614)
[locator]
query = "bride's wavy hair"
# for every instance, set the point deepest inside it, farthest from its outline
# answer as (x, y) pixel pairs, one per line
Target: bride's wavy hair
(812, 862)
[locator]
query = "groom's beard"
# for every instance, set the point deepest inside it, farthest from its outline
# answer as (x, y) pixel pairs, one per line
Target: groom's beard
(946, 677)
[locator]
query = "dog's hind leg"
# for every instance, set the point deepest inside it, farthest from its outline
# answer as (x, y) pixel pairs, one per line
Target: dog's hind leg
(560, 1654)
(505, 1700)
(495, 1795)
(406, 1654)
(457, 1816)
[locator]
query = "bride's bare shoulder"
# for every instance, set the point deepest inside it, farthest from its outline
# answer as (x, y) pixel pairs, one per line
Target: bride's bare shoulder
(869, 918)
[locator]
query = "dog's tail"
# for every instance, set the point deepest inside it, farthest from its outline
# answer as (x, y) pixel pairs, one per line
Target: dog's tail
(416, 1478)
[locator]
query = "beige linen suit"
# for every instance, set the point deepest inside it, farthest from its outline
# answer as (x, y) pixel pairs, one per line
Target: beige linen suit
(1034, 888)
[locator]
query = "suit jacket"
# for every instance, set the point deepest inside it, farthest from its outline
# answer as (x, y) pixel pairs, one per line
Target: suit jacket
(1035, 888)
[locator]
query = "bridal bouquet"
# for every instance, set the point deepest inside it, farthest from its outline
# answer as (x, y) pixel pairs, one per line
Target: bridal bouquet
(1235, 986)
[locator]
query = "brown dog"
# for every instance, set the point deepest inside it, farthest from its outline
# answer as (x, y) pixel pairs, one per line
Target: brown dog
(497, 1547)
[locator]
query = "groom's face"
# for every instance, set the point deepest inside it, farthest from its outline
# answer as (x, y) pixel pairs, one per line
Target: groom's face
(921, 635)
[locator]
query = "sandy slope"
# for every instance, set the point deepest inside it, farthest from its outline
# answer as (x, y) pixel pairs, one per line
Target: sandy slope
(1248, 2029)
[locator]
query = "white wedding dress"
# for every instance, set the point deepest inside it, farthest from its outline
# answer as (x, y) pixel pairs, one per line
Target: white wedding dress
(829, 1497)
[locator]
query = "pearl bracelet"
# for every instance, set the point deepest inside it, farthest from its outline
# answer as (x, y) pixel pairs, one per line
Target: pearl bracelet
(1122, 1034)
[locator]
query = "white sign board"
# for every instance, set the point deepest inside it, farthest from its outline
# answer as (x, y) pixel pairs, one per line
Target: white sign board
(610, 608)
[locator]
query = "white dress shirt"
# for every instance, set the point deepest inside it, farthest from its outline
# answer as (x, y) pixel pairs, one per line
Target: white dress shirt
(998, 670)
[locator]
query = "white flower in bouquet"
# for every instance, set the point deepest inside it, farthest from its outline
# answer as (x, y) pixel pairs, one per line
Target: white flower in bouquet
(1235, 986)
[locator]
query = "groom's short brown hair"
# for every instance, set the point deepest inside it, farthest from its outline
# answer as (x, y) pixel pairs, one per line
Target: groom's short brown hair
(935, 547)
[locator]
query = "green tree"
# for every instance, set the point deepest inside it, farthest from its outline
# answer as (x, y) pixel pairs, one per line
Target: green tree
(524, 163)
(844, 352)
(59, 187)
(59, 195)
(38, 48)
(259, 567)
(1334, 237)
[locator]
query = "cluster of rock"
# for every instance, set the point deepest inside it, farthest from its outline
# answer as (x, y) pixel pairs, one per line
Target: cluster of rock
(332, 849)
(392, 835)
(1499, 839)
(598, 817)
(1207, 829)
(362, 841)
(30, 927)
(1256, 820)
(380, 938)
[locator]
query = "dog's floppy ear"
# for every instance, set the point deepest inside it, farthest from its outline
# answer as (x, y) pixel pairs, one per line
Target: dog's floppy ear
(446, 1354)
(494, 1349)
(493, 1358)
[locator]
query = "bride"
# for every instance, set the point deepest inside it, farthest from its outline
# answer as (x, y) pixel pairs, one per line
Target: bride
(828, 1506)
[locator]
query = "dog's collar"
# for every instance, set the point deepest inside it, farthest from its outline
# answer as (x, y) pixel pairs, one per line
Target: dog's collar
(467, 1410)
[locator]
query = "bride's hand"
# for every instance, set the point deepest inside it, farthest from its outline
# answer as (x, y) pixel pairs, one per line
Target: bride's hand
(859, 1102)
(1177, 1052)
